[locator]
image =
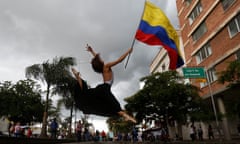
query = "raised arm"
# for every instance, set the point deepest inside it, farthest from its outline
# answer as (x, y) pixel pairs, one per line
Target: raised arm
(89, 48)
(120, 59)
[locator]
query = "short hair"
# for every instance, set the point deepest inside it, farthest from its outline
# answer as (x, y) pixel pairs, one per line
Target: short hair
(97, 64)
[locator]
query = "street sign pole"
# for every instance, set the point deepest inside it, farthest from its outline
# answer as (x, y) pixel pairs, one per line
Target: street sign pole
(200, 73)
(213, 103)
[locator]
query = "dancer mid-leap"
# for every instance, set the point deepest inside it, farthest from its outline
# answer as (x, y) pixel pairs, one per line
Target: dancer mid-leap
(100, 100)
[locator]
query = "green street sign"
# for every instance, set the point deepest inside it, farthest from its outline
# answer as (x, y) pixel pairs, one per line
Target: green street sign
(194, 72)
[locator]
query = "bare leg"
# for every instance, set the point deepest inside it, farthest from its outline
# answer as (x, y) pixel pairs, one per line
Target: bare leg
(77, 75)
(127, 117)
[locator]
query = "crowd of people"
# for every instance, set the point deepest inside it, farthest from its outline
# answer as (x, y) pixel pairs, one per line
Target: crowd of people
(134, 135)
(16, 130)
(197, 133)
(83, 134)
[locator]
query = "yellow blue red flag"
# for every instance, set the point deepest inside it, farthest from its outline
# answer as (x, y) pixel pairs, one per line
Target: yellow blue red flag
(156, 29)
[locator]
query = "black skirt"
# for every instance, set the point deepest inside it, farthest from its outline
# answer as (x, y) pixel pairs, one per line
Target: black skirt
(98, 101)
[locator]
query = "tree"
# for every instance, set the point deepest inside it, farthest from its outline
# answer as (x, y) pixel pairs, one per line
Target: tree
(118, 125)
(50, 74)
(68, 102)
(21, 101)
(165, 97)
(66, 88)
(231, 76)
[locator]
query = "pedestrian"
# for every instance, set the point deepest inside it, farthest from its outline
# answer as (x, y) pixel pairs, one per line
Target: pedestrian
(79, 131)
(86, 134)
(18, 130)
(210, 132)
(193, 132)
(119, 136)
(134, 134)
(100, 100)
(97, 136)
(200, 133)
(238, 128)
(29, 132)
(110, 135)
(103, 135)
(54, 127)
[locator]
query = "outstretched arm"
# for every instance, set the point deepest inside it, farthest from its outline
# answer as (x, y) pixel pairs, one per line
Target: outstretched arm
(120, 59)
(89, 48)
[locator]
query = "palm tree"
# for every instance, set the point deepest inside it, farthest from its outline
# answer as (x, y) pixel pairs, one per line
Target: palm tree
(66, 87)
(68, 102)
(50, 74)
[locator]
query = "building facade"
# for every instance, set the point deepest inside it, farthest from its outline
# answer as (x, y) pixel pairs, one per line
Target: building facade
(161, 61)
(210, 32)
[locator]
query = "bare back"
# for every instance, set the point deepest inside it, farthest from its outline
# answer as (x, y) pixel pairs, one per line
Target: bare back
(107, 73)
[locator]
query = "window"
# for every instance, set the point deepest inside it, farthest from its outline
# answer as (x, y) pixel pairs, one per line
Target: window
(238, 55)
(211, 75)
(203, 53)
(163, 67)
(196, 11)
(227, 3)
(234, 26)
(188, 2)
(199, 32)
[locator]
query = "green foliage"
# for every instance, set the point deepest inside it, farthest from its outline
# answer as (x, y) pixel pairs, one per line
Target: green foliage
(165, 96)
(21, 101)
(118, 125)
(51, 73)
(231, 74)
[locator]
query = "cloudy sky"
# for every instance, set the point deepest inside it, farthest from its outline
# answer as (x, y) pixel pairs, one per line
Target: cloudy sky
(33, 31)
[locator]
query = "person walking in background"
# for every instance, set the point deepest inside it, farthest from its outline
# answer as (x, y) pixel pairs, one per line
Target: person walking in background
(110, 135)
(238, 128)
(210, 132)
(86, 134)
(79, 131)
(103, 135)
(29, 132)
(193, 132)
(54, 127)
(134, 134)
(200, 133)
(18, 130)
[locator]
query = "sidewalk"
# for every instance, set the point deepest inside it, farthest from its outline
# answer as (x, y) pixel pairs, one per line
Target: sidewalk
(161, 142)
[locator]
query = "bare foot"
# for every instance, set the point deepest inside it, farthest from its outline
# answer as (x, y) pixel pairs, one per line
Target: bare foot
(127, 117)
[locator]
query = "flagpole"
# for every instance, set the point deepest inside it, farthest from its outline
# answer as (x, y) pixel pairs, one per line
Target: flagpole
(130, 53)
(133, 42)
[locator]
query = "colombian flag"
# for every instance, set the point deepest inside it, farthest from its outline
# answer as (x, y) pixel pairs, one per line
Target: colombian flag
(156, 29)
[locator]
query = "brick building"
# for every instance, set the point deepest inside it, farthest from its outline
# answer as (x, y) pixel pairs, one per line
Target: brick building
(210, 31)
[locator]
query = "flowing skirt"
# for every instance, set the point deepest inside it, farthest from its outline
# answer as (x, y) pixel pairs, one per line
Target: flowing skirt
(98, 101)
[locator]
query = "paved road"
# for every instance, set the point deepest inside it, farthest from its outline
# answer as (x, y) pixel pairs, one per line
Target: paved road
(173, 142)
(11, 140)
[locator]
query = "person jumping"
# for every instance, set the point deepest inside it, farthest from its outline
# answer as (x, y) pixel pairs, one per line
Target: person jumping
(100, 100)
